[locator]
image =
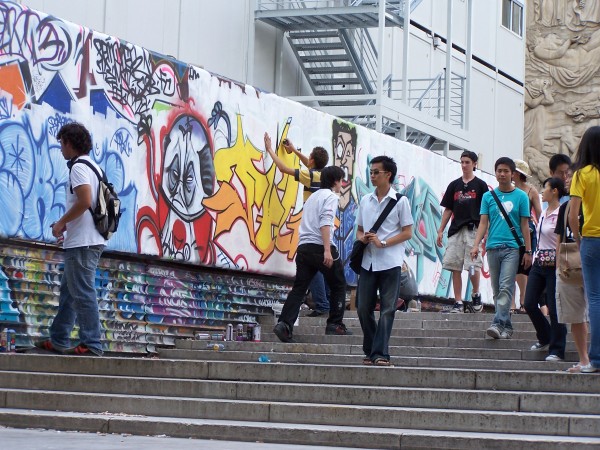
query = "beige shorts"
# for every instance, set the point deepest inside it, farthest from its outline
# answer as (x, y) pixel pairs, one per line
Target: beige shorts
(571, 304)
(458, 251)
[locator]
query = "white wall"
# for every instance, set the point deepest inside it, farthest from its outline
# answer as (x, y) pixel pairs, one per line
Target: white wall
(214, 35)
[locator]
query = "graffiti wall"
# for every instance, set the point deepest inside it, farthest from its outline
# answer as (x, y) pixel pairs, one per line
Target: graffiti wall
(184, 148)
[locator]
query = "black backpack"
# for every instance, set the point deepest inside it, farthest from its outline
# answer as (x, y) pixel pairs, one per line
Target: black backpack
(107, 213)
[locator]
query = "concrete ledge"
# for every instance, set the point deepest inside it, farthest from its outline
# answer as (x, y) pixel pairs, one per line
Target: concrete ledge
(376, 438)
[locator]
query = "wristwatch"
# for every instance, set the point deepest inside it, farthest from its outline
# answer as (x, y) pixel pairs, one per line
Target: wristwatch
(384, 244)
(529, 252)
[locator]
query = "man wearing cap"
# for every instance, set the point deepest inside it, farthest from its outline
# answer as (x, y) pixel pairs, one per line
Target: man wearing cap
(462, 202)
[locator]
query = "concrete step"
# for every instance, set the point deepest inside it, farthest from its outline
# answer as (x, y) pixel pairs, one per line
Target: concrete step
(445, 378)
(334, 414)
(309, 329)
(285, 433)
(343, 346)
(482, 341)
(466, 399)
(337, 359)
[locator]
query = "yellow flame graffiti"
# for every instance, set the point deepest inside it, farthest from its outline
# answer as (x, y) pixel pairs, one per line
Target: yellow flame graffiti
(247, 192)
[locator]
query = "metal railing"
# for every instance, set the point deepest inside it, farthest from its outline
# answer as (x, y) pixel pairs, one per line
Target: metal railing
(428, 95)
(394, 6)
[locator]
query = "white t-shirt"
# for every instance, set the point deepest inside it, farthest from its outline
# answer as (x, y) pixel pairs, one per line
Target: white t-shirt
(81, 232)
(319, 211)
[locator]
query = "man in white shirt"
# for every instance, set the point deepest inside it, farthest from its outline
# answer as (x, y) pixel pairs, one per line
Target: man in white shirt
(317, 253)
(382, 260)
(83, 246)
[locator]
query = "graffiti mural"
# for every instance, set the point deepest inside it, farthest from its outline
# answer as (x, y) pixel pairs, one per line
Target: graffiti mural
(184, 149)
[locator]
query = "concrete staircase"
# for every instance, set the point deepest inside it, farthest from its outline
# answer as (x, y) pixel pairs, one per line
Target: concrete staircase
(450, 388)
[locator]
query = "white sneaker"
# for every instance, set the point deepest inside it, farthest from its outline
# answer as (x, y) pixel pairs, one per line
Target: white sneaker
(506, 334)
(553, 358)
(538, 347)
(494, 331)
(588, 368)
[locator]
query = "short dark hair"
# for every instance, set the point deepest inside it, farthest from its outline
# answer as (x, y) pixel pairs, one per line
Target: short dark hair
(389, 165)
(557, 160)
(329, 175)
(320, 157)
(469, 154)
(77, 135)
(556, 183)
(507, 162)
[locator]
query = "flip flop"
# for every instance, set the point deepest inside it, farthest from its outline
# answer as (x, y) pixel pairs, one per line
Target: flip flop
(382, 362)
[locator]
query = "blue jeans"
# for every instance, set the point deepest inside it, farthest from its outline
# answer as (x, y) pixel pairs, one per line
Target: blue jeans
(376, 336)
(553, 333)
(78, 300)
(590, 264)
(503, 263)
(319, 292)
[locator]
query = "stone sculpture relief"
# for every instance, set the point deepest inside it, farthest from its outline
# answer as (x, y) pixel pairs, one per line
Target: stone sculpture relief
(562, 78)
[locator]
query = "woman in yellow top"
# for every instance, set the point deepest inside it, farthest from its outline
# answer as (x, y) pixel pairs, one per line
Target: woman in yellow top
(585, 190)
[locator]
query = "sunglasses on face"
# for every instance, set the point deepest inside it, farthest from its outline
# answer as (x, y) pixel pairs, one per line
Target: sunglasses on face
(377, 171)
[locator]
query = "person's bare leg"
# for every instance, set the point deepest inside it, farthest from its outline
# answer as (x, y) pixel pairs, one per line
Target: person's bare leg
(457, 285)
(522, 283)
(475, 280)
(580, 334)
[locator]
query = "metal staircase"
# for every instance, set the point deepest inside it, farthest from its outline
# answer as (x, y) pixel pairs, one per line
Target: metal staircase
(333, 44)
(336, 62)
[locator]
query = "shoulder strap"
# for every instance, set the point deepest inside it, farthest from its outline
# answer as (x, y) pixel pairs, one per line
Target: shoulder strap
(507, 218)
(101, 176)
(566, 219)
(385, 213)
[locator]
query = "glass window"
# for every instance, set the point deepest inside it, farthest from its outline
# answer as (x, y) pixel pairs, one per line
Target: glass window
(506, 4)
(512, 16)
(517, 19)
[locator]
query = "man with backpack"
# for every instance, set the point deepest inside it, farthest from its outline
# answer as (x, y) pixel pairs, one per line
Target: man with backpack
(83, 246)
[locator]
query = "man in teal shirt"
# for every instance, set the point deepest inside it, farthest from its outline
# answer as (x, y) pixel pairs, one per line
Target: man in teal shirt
(501, 246)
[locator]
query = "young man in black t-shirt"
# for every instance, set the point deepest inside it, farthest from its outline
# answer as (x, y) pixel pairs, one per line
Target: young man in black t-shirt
(462, 201)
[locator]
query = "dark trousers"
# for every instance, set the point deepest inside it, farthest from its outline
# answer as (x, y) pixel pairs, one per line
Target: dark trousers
(309, 261)
(553, 333)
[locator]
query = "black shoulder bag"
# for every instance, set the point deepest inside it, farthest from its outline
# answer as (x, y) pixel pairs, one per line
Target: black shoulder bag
(358, 248)
(514, 233)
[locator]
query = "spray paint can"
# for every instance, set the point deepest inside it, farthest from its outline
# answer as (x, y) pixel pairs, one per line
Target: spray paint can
(249, 332)
(256, 333)
(471, 270)
(4, 341)
(215, 347)
(229, 332)
(11, 338)
(239, 332)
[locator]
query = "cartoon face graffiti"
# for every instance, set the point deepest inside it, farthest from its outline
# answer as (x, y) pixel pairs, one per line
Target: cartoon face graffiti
(187, 178)
(344, 144)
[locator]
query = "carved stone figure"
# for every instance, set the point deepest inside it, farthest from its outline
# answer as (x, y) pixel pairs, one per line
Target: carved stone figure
(562, 78)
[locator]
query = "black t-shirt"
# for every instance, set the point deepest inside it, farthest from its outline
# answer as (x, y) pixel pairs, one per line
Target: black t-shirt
(464, 200)
(560, 221)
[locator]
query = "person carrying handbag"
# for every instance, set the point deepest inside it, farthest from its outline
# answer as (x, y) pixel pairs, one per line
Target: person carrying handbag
(551, 336)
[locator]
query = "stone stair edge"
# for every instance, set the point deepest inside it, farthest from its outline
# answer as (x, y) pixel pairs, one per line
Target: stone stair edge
(281, 372)
(333, 415)
(376, 438)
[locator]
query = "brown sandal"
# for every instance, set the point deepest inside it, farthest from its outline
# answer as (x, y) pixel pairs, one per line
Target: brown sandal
(382, 362)
(367, 362)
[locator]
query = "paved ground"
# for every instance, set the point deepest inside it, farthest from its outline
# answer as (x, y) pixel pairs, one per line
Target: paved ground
(29, 439)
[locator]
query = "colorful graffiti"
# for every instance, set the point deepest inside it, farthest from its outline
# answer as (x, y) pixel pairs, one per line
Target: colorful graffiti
(184, 149)
(141, 305)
